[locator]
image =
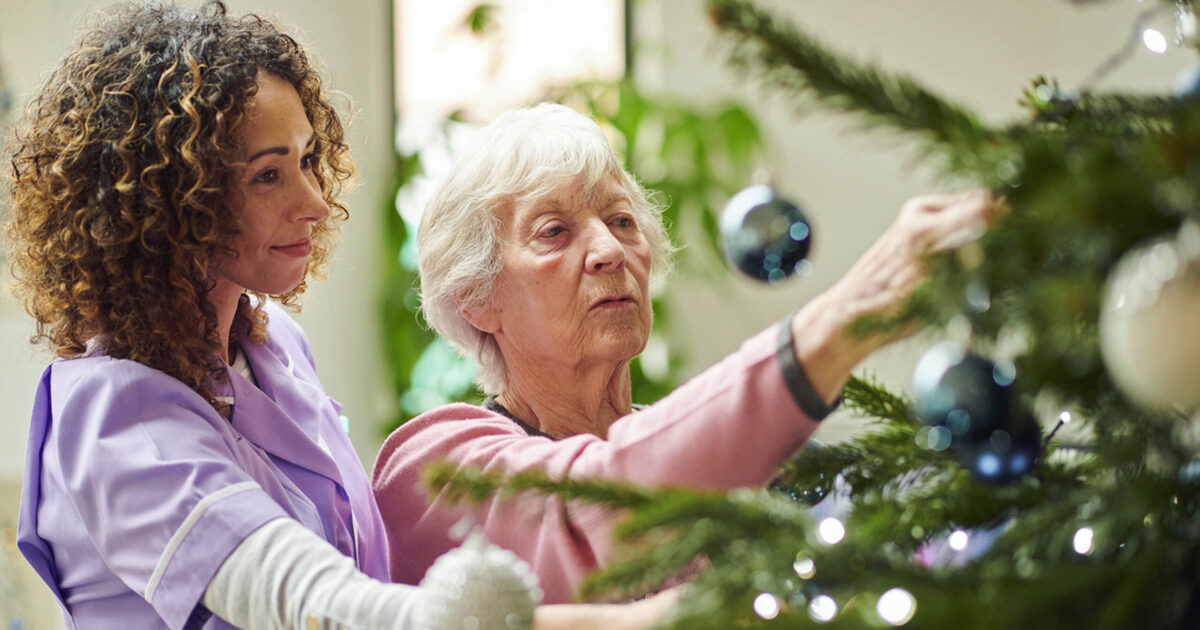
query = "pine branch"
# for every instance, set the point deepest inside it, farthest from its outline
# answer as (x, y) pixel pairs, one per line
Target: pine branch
(1050, 104)
(872, 399)
(471, 485)
(795, 61)
(670, 536)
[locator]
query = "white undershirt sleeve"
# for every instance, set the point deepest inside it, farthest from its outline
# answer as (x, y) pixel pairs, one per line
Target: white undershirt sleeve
(284, 577)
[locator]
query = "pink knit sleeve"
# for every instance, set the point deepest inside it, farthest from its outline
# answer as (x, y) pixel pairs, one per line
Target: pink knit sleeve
(729, 427)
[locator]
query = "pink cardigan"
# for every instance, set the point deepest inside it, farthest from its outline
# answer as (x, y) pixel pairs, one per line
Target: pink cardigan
(729, 427)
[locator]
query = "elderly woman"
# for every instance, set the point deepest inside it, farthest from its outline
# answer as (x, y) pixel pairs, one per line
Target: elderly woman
(177, 173)
(536, 257)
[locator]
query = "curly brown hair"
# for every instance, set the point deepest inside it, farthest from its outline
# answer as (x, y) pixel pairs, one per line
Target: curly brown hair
(121, 166)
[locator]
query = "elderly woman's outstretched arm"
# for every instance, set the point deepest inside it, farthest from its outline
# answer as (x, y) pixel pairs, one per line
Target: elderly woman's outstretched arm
(729, 427)
(880, 283)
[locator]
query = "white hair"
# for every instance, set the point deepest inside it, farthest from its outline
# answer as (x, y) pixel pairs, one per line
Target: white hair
(525, 155)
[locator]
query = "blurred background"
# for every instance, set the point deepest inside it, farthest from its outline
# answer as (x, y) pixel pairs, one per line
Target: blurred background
(418, 75)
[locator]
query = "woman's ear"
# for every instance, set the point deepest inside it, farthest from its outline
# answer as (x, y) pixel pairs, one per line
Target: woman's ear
(483, 317)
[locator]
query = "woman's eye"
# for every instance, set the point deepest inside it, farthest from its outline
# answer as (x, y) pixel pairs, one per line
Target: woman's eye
(552, 231)
(267, 176)
(623, 222)
(309, 161)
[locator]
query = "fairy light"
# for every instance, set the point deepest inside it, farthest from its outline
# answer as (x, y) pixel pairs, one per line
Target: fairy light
(896, 606)
(1154, 40)
(1138, 35)
(822, 608)
(831, 531)
(959, 539)
(766, 606)
(805, 567)
(1084, 539)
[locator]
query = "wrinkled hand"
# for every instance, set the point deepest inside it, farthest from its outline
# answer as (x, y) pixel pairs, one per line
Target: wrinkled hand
(639, 615)
(647, 612)
(884, 278)
(882, 281)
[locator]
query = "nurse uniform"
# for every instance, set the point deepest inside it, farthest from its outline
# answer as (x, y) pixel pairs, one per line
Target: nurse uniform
(136, 489)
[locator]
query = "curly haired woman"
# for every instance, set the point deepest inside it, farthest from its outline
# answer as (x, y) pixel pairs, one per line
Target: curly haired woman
(172, 182)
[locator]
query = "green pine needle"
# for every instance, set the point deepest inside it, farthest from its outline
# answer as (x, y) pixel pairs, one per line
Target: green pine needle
(796, 62)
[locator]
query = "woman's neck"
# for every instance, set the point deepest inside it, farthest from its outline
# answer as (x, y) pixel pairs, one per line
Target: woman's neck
(586, 401)
(225, 297)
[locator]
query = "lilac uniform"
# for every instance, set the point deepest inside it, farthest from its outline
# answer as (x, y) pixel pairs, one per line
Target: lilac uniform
(136, 489)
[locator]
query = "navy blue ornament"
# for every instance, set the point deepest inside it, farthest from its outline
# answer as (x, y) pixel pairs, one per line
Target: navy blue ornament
(971, 399)
(963, 392)
(1006, 454)
(766, 236)
(808, 494)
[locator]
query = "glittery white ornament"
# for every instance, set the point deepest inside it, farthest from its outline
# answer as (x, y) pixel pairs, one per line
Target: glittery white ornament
(1150, 322)
(478, 586)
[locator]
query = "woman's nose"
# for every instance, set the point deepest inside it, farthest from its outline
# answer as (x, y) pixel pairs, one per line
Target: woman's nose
(310, 205)
(605, 253)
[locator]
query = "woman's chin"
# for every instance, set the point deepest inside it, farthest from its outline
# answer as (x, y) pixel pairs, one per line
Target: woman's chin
(277, 287)
(622, 348)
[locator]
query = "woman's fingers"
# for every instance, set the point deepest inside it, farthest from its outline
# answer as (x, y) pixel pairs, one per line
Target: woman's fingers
(881, 282)
(887, 274)
(638, 615)
(945, 222)
(655, 608)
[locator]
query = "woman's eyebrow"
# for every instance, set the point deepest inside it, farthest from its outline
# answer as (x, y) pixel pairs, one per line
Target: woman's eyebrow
(617, 197)
(280, 150)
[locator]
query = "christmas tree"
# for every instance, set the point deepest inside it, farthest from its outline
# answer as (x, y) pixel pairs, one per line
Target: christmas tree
(966, 507)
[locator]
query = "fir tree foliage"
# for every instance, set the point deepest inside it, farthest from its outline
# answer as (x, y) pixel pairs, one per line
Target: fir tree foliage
(1105, 533)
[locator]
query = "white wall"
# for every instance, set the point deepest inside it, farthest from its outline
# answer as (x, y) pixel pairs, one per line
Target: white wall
(851, 181)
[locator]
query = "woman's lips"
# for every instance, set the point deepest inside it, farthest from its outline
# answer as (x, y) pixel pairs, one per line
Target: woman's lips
(615, 302)
(299, 249)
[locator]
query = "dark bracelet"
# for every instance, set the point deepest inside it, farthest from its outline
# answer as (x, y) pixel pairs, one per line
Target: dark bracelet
(797, 381)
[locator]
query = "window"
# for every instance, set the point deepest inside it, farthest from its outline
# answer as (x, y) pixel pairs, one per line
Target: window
(516, 50)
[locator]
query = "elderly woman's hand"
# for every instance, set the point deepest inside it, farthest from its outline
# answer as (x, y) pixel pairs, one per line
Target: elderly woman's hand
(638, 615)
(881, 281)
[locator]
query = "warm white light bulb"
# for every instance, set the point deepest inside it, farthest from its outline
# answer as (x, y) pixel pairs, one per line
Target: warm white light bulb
(959, 539)
(805, 568)
(896, 606)
(831, 531)
(1084, 538)
(1154, 40)
(822, 608)
(766, 606)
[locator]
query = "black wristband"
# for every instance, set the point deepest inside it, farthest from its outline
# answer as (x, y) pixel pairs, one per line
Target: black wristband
(797, 381)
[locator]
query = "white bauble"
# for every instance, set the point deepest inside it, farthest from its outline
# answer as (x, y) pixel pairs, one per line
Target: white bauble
(478, 586)
(1150, 322)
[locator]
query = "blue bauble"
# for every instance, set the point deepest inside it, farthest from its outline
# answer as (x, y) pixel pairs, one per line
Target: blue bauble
(964, 392)
(1006, 454)
(766, 237)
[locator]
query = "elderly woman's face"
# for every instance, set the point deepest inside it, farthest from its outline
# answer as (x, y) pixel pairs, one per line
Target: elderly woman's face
(574, 286)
